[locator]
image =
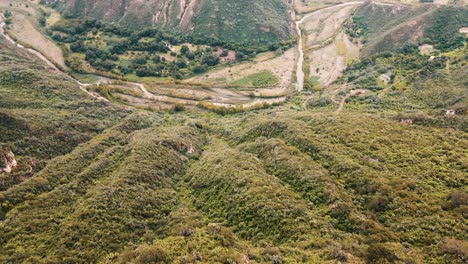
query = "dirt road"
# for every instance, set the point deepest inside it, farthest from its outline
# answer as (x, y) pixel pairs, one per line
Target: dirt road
(219, 95)
(47, 61)
(300, 60)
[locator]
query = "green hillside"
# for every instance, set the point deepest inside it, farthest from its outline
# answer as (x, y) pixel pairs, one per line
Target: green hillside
(273, 186)
(43, 115)
(371, 169)
(388, 28)
(243, 21)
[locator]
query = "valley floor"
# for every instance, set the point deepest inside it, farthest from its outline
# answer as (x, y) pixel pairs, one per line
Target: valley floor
(208, 90)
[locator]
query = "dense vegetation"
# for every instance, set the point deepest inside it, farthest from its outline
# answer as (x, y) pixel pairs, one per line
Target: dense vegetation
(443, 28)
(43, 115)
(419, 87)
(100, 184)
(387, 28)
(149, 52)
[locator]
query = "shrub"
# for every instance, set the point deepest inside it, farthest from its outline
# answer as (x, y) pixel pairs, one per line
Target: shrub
(178, 107)
(199, 69)
(454, 247)
(379, 203)
(458, 199)
(209, 60)
(184, 49)
(380, 253)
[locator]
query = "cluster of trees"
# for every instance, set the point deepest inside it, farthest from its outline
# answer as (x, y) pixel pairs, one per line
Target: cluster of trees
(406, 62)
(104, 44)
(443, 29)
(142, 46)
(7, 15)
(356, 26)
(158, 66)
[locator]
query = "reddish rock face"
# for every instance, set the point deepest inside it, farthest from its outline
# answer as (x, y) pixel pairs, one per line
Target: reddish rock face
(201, 17)
(151, 13)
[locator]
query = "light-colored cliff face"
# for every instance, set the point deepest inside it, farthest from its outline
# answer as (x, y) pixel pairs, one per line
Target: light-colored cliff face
(240, 21)
(7, 162)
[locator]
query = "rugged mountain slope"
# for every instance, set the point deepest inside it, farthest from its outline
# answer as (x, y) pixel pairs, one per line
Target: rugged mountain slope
(379, 177)
(387, 27)
(279, 185)
(239, 21)
(43, 114)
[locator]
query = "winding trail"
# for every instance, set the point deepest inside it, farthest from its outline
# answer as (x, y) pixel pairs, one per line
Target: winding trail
(146, 93)
(300, 47)
(317, 44)
(47, 61)
(300, 75)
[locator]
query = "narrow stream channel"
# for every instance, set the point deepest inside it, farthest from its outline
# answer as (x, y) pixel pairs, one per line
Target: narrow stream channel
(300, 61)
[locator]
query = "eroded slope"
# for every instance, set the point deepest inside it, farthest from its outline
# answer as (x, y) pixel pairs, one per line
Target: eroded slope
(240, 21)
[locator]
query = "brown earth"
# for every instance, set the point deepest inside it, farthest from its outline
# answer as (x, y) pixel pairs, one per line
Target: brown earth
(25, 30)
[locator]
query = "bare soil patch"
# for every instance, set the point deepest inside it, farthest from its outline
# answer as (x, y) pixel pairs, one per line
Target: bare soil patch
(328, 48)
(282, 67)
(24, 30)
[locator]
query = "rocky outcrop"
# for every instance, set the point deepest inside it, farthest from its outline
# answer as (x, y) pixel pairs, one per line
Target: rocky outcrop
(179, 146)
(7, 161)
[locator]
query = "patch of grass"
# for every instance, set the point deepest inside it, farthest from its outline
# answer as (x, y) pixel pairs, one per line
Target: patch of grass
(134, 78)
(257, 80)
(314, 80)
(86, 78)
(340, 47)
(264, 56)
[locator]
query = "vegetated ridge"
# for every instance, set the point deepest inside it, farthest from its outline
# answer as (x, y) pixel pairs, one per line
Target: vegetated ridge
(383, 180)
(239, 21)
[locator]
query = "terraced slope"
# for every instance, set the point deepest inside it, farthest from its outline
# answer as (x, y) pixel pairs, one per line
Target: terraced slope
(238, 21)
